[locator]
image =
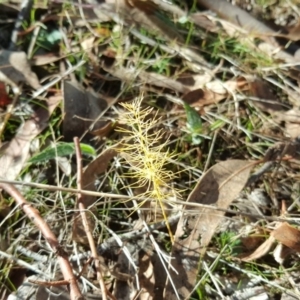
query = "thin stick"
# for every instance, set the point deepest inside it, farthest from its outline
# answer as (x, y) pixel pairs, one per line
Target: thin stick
(63, 189)
(58, 79)
(82, 209)
(34, 215)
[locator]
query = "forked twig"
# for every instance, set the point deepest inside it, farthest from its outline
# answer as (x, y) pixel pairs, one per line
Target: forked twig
(34, 215)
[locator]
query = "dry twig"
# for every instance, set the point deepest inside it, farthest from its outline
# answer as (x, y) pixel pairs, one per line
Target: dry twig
(34, 215)
(82, 209)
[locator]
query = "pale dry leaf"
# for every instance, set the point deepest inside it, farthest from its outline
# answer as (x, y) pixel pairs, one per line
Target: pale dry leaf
(146, 277)
(219, 186)
(277, 253)
(289, 241)
(15, 69)
(292, 130)
(239, 83)
(17, 151)
(239, 17)
(262, 250)
(88, 43)
(235, 21)
(200, 80)
(217, 87)
(41, 60)
(213, 92)
(292, 115)
(292, 121)
(276, 53)
(281, 252)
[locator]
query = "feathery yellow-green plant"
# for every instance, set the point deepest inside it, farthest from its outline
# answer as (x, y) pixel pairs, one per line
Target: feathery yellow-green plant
(145, 151)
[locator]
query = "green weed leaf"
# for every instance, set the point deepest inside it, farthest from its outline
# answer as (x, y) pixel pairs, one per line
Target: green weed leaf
(194, 124)
(61, 149)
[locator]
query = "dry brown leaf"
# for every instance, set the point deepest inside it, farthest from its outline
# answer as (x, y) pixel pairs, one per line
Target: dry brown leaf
(281, 149)
(219, 186)
(262, 250)
(81, 109)
(263, 91)
(292, 121)
(17, 151)
(95, 168)
(203, 21)
(15, 69)
(105, 130)
(147, 7)
(294, 32)
(252, 242)
(202, 97)
(288, 236)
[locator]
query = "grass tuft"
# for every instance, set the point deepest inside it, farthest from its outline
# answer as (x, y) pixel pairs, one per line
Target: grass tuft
(145, 152)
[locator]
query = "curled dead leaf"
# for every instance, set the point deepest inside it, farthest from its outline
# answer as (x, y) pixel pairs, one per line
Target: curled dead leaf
(262, 250)
(288, 236)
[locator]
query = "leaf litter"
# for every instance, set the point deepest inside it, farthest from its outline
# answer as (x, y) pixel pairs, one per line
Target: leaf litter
(224, 107)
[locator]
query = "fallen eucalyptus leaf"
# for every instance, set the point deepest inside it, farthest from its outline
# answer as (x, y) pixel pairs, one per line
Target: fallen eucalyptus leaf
(218, 187)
